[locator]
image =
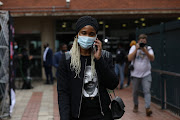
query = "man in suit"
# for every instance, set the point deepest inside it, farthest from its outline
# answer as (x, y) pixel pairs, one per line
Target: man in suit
(47, 63)
(57, 56)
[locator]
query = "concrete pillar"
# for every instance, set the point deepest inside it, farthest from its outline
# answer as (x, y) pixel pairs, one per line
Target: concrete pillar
(47, 36)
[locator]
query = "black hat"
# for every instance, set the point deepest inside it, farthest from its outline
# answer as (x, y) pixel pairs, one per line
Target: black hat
(86, 20)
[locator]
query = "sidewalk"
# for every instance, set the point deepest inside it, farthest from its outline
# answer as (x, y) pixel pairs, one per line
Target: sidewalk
(158, 114)
(40, 103)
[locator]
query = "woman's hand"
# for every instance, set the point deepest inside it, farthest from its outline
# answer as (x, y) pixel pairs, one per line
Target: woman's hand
(97, 53)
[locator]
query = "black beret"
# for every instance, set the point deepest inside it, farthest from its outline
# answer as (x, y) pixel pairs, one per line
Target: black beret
(86, 20)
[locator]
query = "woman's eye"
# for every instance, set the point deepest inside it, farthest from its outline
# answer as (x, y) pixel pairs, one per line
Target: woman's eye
(92, 34)
(85, 77)
(83, 33)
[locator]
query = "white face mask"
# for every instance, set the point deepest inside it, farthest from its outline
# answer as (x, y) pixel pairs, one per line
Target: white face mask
(86, 42)
(15, 47)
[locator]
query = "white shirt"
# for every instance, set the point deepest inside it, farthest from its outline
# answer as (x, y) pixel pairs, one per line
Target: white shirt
(142, 65)
(45, 53)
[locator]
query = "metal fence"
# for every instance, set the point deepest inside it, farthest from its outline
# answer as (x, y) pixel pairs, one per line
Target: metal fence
(4, 64)
(165, 41)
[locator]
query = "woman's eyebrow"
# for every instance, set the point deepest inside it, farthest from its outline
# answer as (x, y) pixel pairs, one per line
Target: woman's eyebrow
(93, 33)
(83, 31)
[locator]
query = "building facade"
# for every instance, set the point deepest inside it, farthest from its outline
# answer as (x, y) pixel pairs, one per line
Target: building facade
(53, 21)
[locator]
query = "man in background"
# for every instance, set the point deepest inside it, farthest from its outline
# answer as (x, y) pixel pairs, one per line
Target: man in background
(47, 63)
(120, 63)
(141, 54)
(57, 56)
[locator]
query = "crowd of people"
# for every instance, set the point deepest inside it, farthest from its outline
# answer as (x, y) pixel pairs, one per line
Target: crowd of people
(22, 63)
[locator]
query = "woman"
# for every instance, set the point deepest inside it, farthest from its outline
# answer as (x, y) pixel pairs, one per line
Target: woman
(84, 74)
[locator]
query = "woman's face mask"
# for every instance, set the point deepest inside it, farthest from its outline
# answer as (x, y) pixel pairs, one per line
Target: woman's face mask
(86, 42)
(15, 47)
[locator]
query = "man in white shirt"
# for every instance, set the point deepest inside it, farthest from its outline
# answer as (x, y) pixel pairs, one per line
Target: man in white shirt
(141, 55)
(47, 63)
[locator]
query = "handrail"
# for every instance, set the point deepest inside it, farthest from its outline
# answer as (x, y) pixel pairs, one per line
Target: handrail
(166, 72)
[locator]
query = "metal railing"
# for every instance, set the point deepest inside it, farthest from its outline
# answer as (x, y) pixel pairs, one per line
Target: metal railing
(174, 94)
(4, 68)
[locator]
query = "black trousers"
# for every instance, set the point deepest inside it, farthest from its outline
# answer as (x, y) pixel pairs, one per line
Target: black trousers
(26, 81)
(48, 72)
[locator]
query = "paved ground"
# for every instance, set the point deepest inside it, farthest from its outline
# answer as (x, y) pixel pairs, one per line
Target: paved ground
(40, 103)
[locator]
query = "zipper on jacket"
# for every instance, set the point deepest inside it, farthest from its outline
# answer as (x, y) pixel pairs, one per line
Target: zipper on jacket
(81, 91)
(100, 100)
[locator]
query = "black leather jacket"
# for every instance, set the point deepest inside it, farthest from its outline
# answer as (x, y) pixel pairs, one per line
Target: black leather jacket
(70, 88)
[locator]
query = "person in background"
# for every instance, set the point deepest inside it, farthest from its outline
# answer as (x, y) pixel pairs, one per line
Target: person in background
(133, 42)
(16, 57)
(24, 66)
(141, 54)
(47, 63)
(84, 75)
(120, 63)
(58, 55)
(70, 45)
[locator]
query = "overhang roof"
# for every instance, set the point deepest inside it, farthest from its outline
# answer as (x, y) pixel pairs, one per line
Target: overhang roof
(90, 7)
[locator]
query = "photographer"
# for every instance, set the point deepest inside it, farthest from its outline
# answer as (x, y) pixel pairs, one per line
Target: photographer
(141, 55)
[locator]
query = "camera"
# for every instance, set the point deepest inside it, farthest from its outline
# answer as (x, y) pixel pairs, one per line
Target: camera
(131, 67)
(142, 44)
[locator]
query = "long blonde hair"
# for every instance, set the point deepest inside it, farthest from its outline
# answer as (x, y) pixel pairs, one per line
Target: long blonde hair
(75, 64)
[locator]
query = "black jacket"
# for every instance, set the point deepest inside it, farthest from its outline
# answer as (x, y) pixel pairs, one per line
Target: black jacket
(120, 56)
(70, 88)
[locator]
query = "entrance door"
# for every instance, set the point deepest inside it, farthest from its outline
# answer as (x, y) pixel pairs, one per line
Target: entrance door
(32, 42)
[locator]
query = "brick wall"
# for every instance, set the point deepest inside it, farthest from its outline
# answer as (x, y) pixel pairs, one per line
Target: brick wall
(91, 5)
(95, 4)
